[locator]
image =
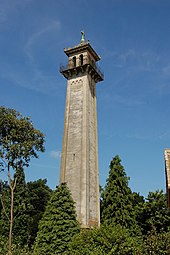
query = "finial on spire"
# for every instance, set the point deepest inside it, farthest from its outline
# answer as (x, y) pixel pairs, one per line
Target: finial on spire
(82, 36)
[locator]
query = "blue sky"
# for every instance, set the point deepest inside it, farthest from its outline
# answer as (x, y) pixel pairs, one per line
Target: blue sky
(133, 39)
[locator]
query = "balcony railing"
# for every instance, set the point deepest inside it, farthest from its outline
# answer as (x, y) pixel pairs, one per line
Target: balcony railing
(71, 66)
(99, 71)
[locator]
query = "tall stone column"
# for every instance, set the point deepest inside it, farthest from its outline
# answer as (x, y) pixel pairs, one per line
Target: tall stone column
(79, 160)
(167, 174)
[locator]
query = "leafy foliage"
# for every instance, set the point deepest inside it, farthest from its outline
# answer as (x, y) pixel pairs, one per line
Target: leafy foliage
(15, 249)
(107, 240)
(58, 224)
(22, 208)
(29, 205)
(3, 188)
(19, 142)
(39, 194)
(117, 197)
(5, 211)
(154, 214)
(21, 211)
(123, 212)
(157, 243)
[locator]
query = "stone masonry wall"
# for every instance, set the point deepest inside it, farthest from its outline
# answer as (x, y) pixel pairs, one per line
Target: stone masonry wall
(79, 162)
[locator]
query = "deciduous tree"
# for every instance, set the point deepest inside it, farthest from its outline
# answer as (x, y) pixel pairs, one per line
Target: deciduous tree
(39, 194)
(154, 214)
(21, 211)
(19, 142)
(157, 243)
(108, 240)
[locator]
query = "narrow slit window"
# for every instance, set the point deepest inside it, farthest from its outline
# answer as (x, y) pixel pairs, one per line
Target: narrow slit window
(74, 61)
(81, 59)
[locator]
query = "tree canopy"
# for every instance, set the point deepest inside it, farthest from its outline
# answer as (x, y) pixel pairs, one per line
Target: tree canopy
(45, 220)
(19, 142)
(117, 198)
(154, 215)
(58, 224)
(108, 240)
(39, 194)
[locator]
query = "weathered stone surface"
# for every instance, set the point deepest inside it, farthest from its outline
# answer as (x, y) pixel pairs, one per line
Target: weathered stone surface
(167, 173)
(79, 160)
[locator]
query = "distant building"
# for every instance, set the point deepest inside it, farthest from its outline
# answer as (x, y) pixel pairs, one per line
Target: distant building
(167, 173)
(79, 159)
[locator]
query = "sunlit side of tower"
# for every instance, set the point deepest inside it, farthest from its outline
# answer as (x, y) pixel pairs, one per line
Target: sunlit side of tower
(79, 160)
(167, 174)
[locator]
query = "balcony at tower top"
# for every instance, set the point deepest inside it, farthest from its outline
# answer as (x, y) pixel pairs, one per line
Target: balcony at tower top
(84, 64)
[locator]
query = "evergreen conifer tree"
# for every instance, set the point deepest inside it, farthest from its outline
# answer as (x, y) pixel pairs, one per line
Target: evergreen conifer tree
(58, 224)
(116, 205)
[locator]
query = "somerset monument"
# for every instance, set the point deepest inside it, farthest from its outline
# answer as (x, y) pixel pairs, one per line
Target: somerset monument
(167, 174)
(79, 159)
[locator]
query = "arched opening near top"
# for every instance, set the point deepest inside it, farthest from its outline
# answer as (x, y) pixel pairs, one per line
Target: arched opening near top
(74, 61)
(81, 59)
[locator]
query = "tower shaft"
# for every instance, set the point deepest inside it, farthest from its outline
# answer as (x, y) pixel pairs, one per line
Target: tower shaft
(79, 160)
(167, 174)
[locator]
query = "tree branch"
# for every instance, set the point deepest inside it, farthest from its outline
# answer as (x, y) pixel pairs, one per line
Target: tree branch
(15, 183)
(9, 176)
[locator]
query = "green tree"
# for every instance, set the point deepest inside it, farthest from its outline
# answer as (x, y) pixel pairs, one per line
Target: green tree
(39, 194)
(108, 240)
(117, 198)
(138, 204)
(157, 243)
(154, 214)
(58, 224)
(22, 208)
(4, 216)
(3, 188)
(19, 142)
(21, 217)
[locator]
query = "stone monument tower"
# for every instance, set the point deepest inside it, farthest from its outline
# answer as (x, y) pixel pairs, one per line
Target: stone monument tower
(79, 159)
(167, 174)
